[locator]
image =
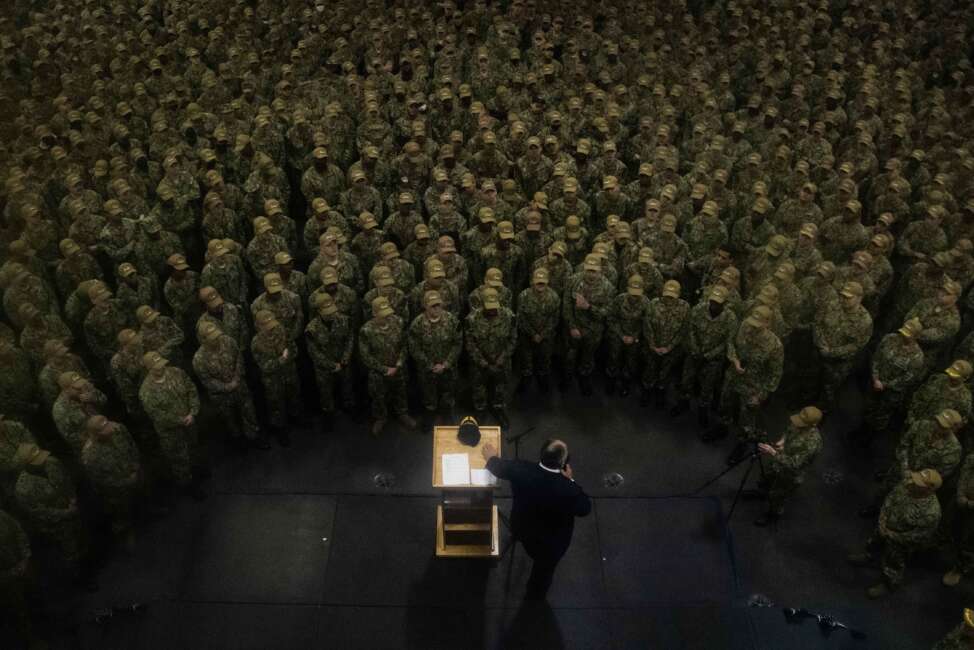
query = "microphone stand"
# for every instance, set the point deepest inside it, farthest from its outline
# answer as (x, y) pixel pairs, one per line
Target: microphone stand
(752, 457)
(517, 441)
(509, 546)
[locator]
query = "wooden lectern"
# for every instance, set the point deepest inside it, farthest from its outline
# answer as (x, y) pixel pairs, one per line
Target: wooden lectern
(466, 517)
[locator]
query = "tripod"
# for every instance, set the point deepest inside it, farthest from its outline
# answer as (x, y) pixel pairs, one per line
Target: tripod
(754, 456)
(504, 518)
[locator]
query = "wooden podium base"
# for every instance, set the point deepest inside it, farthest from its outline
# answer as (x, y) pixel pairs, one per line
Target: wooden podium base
(443, 531)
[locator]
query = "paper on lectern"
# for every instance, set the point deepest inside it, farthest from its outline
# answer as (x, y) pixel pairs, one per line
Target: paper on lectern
(456, 469)
(482, 477)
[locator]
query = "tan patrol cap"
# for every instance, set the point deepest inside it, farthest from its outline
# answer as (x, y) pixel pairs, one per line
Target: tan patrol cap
(367, 221)
(505, 230)
(421, 231)
(671, 289)
(494, 277)
(760, 316)
(927, 478)
(178, 262)
(265, 320)
(431, 298)
(381, 307)
(262, 225)
(325, 304)
(146, 314)
(328, 275)
(809, 416)
(634, 286)
(949, 419)
(490, 298)
(125, 269)
(960, 369)
(210, 296)
(273, 283)
(851, 290)
(592, 263)
(718, 294)
(152, 360)
(126, 336)
(208, 331)
(282, 257)
(911, 328)
(434, 269)
(540, 276)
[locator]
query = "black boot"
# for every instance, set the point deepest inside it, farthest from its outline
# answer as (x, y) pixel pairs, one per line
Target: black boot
(703, 417)
(585, 384)
(678, 408)
(623, 388)
(644, 397)
(659, 398)
(543, 384)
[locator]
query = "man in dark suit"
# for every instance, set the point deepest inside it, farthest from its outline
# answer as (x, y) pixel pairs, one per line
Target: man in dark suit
(546, 502)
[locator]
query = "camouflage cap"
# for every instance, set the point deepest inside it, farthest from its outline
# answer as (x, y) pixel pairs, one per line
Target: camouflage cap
(761, 205)
(70, 379)
(505, 230)
(216, 248)
(381, 307)
(421, 231)
(592, 262)
(671, 289)
(558, 248)
(710, 209)
(645, 255)
(486, 215)
(262, 225)
(388, 250)
(952, 287)
(969, 618)
(540, 276)
(668, 223)
(320, 207)
(282, 257)
(153, 361)
(809, 416)
(126, 269)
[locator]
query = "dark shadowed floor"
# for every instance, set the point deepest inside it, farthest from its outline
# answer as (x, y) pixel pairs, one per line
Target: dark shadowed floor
(299, 548)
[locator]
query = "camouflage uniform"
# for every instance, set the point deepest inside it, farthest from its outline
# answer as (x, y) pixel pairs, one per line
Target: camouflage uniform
(707, 339)
(625, 319)
(12, 435)
(839, 335)
(168, 395)
(598, 292)
(275, 354)
(538, 316)
(664, 326)
(111, 462)
(786, 469)
(219, 366)
(926, 444)
(965, 518)
(897, 364)
(382, 345)
(78, 401)
(761, 357)
(330, 344)
(127, 371)
(908, 521)
(490, 343)
(937, 393)
(435, 342)
(45, 494)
